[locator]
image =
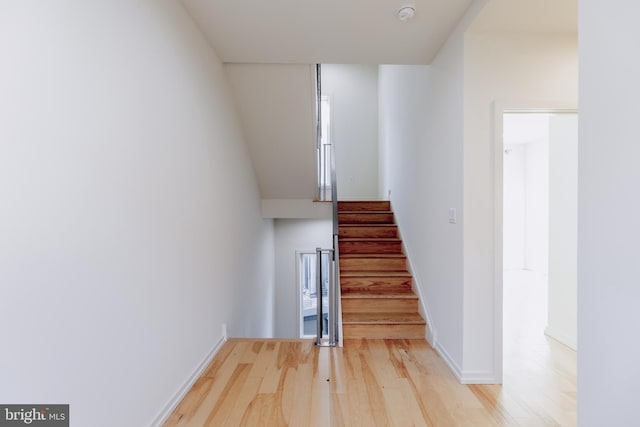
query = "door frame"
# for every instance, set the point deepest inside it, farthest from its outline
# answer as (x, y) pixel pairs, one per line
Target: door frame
(499, 108)
(298, 282)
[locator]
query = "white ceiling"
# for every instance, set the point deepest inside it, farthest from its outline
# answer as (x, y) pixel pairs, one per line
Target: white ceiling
(326, 31)
(360, 31)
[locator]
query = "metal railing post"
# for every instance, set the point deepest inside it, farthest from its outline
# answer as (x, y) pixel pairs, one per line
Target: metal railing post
(319, 319)
(332, 327)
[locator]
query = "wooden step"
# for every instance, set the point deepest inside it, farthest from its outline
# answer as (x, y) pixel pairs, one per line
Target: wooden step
(368, 231)
(377, 299)
(394, 331)
(350, 217)
(370, 246)
(390, 302)
(373, 262)
(375, 282)
(385, 319)
(367, 205)
(383, 325)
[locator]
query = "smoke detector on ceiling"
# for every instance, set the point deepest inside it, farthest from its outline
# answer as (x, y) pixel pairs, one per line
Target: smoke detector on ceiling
(406, 12)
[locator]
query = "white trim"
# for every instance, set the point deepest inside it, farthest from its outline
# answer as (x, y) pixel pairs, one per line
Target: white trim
(561, 337)
(298, 282)
(171, 405)
(479, 377)
(453, 366)
(498, 309)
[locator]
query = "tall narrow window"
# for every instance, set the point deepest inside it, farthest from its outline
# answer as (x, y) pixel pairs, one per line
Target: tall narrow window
(324, 150)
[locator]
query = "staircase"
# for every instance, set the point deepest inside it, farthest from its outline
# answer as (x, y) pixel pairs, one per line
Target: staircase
(377, 299)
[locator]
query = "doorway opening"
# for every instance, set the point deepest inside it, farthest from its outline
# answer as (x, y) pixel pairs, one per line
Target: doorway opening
(310, 292)
(539, 234)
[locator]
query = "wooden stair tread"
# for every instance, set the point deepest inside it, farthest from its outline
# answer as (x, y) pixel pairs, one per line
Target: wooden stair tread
(397, 255)
(370, 239)
(379, 295)
(382, 318)
(364, 205)
(366, 212)
(369, 231)
(381, 274)
(373, 224)
(370, 245)
(364, 217)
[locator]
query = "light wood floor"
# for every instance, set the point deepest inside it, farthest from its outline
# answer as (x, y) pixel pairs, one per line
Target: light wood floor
(386, 382)
(366, 383)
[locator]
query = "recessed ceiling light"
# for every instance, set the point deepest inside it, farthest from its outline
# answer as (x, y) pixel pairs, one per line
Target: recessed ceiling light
(406, 12)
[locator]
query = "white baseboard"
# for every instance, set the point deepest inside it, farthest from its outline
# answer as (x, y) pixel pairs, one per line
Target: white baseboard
(466, 377)
(479, 377)
(448, 360)
(169, 407)
(562, 338)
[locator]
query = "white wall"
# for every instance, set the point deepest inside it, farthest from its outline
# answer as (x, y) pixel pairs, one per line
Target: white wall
(537, 209)
(130, 217)
(526, 206)
(515, 206)
(608, 214)
(508, 68)
(353, 96)
(291, 236)
(529, 132)
(420, 108)
(421, 146)
(563, 228)
(276, 103)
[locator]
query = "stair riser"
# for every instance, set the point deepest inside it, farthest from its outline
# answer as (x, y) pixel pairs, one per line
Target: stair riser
(378, 305)
(364, 206)
(372, 264)
(384, 331)
(365, 218)
(363, 232)
(375, 284)
(370, 247)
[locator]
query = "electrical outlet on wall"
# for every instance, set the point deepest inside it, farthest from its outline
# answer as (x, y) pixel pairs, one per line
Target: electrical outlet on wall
(452, 216)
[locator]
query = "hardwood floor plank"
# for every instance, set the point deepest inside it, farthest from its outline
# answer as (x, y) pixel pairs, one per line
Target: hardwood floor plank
(203, 396)
(242, 404)
(229, 397)
(303, 392)
(365, 383)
